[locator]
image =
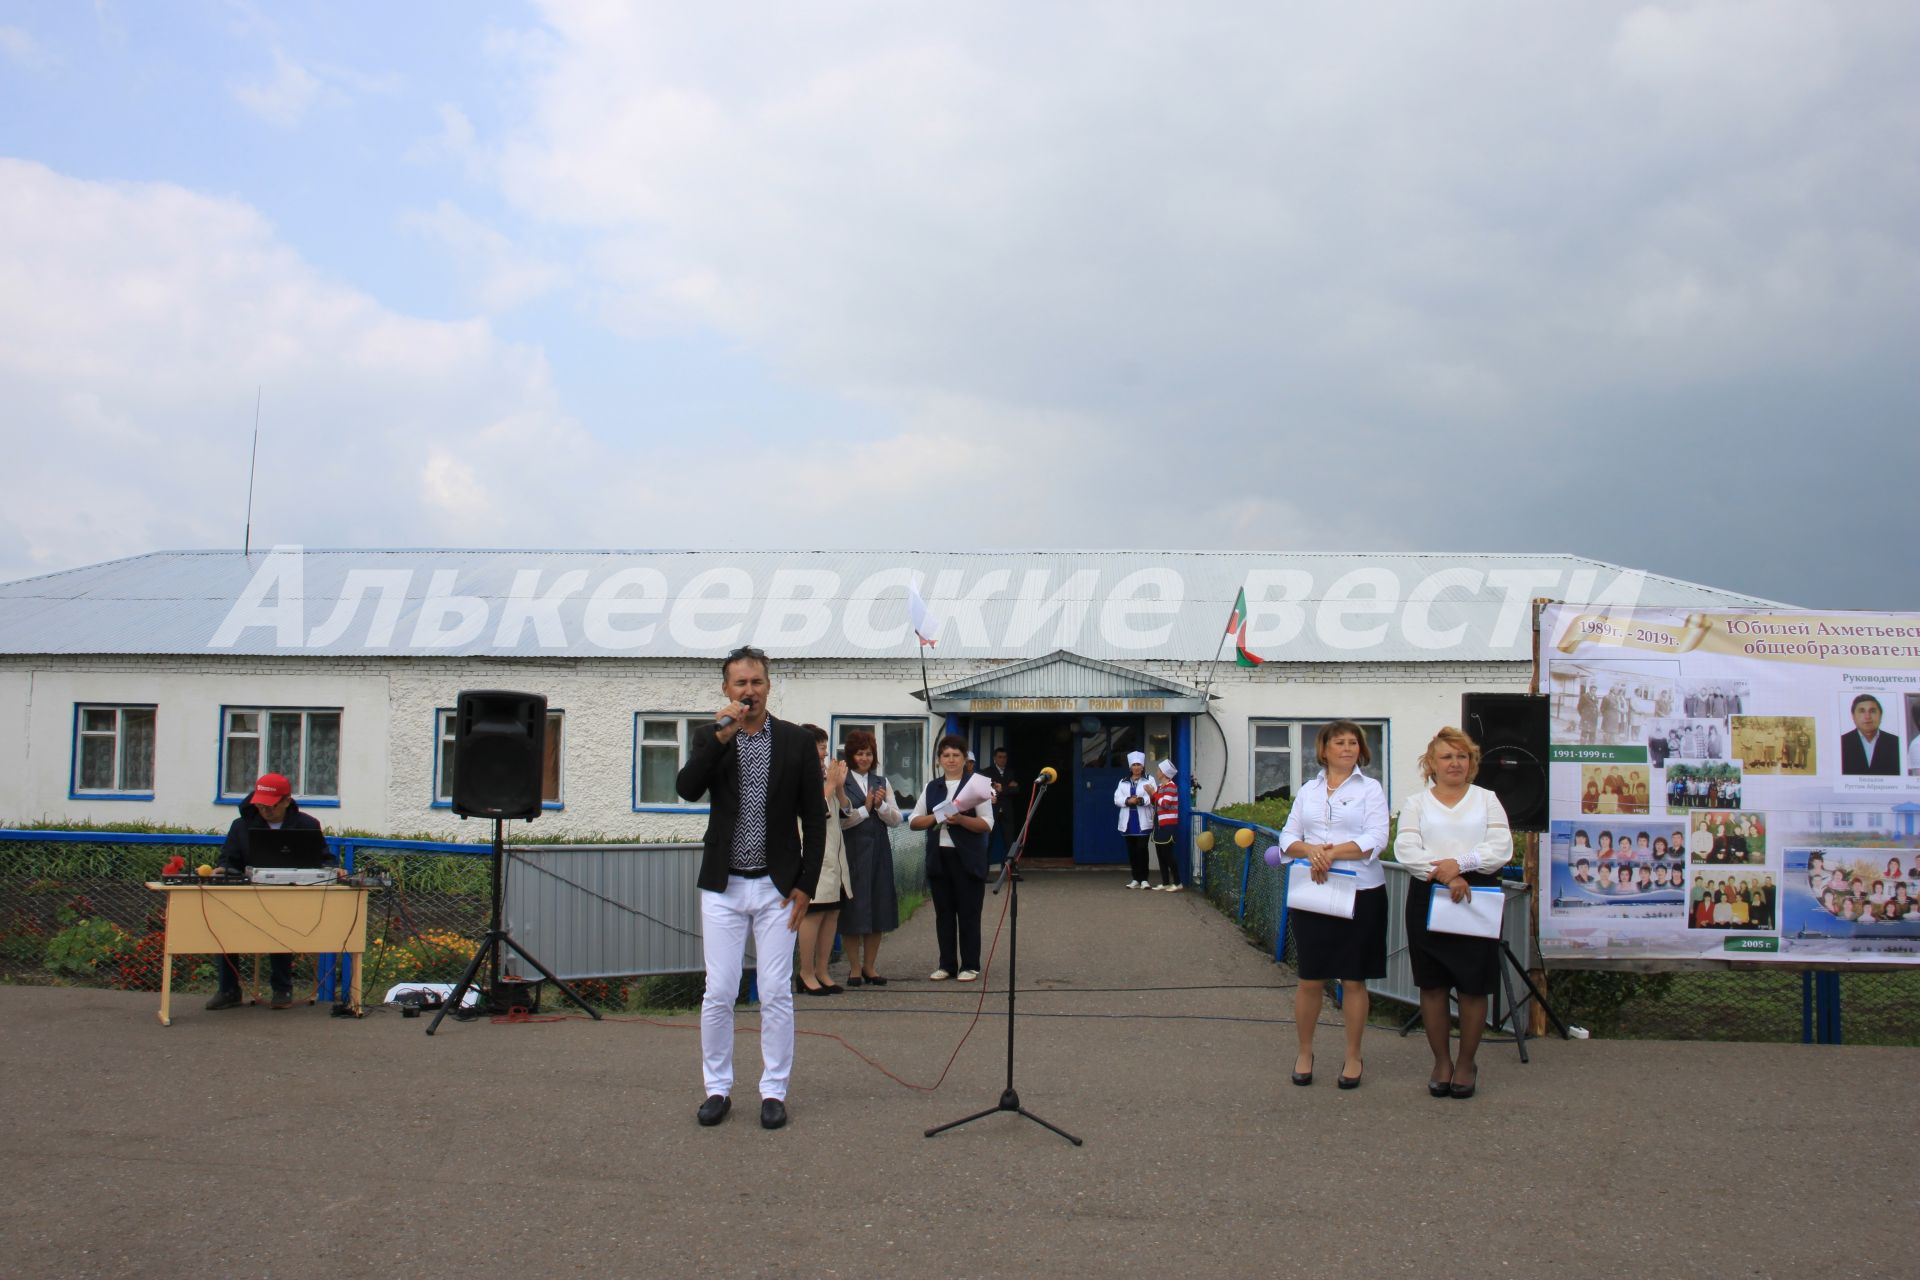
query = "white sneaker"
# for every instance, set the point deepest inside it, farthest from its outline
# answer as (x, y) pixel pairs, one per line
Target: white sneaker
(1174, 888)
(969, 975)
(939, 975)
(1135, 884)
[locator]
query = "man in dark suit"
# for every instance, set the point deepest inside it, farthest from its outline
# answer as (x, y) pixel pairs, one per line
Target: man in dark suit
(766, 836)
(1005, 791)
(1864, 749)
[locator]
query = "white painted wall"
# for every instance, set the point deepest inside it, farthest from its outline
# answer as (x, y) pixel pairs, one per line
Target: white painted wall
(388, 724)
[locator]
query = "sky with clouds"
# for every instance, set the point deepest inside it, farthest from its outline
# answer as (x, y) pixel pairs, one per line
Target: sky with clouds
(1634, 282)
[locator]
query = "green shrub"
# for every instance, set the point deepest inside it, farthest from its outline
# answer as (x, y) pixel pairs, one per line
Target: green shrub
(86, 946)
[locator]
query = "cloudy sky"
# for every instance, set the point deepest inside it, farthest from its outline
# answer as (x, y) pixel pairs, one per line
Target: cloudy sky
(1639, 283)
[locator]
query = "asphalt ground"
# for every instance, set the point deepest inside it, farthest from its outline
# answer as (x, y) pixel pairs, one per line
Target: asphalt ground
(291, 1143)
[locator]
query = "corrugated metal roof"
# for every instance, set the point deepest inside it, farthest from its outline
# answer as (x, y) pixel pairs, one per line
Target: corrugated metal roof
(1121, 606)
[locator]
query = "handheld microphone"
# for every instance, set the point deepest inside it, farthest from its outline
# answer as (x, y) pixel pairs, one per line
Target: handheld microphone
(727, 722)
(1048, 776)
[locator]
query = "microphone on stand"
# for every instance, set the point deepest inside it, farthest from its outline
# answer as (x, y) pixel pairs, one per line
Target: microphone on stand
(727, 722)
(1048, 776)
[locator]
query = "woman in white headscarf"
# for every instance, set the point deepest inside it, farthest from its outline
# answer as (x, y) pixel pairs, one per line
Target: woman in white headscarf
(1134, 798)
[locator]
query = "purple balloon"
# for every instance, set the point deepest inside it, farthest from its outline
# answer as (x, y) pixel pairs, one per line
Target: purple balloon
(1273, 855)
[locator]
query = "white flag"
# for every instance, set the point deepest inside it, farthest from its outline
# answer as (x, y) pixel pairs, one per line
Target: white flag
(917, 611)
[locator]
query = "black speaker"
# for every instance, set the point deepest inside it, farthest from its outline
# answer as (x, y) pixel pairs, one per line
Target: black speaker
(499, 744)
(1511, 730)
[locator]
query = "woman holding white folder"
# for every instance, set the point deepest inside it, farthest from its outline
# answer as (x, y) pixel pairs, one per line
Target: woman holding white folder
(1453, 835)
(1341, 816)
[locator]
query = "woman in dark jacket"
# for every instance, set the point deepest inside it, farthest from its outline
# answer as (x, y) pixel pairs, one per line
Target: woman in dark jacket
(956, 863)
(874, 910)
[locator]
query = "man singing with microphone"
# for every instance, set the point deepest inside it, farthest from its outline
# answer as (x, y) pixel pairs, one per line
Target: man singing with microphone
(766, 835)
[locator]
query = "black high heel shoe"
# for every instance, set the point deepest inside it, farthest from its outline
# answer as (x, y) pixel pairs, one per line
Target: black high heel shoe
(1304, 1077)
(1350, 1082)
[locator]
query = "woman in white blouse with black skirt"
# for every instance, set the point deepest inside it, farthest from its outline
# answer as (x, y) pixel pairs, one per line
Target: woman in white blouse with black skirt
(1453, 834)
(1341, 816)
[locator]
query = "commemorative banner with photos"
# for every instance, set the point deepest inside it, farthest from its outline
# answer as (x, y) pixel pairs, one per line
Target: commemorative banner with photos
(1734, 785)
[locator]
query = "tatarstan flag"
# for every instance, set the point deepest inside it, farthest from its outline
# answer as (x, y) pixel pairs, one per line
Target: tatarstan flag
(1237, 628)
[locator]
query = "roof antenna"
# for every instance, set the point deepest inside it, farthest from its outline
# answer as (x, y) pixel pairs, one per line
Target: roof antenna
(246, 542)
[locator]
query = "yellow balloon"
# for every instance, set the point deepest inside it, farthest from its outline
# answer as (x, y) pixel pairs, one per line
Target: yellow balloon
(1205, 842)
(203, 871)
(1244, 837)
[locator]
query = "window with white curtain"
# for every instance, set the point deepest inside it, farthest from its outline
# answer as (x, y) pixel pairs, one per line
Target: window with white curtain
(301, 743)
(113, 750)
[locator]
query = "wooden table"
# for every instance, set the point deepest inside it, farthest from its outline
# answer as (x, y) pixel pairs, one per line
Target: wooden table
(247, 919)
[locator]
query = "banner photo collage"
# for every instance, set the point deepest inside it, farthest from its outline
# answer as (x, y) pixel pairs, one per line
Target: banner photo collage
(1739, 785)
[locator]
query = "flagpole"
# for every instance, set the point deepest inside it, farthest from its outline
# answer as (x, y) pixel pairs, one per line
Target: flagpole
(922, 625)
(1207, 691)
(926, 694)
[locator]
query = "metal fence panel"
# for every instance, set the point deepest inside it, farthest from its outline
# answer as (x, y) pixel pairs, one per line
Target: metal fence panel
(601, 911)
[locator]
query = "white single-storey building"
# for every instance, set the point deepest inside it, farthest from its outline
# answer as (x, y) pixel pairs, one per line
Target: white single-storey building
(155, 688)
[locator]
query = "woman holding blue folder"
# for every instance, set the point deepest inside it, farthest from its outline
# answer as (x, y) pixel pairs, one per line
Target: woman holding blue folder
(1453, 835)
(1341, 816)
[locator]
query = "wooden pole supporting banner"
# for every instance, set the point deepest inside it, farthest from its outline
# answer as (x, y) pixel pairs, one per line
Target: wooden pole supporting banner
(1537, 1012)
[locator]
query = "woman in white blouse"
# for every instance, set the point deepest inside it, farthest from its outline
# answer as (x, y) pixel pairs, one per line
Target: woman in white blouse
(1341, 816)
(1453, 834)
(817, 927)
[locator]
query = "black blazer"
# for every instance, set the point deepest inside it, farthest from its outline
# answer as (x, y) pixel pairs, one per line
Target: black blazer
(796, 806)
(1853, 754)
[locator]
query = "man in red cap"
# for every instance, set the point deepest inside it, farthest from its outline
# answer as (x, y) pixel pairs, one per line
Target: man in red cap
(271, 806)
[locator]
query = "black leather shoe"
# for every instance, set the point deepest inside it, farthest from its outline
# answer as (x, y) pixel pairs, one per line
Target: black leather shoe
(1350, 1082)
(224, 1000)
(1303, 1077)
(714, 1109)
(1439, 1089)
(773, 1114)
(1462, 1090)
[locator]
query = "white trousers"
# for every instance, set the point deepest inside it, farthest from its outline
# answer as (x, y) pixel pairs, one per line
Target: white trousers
(724, 920)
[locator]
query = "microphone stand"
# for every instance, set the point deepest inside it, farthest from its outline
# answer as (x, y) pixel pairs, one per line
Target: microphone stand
(1010, 1098)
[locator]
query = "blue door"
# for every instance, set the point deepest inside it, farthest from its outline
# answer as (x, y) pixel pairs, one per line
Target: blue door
(1100, 761)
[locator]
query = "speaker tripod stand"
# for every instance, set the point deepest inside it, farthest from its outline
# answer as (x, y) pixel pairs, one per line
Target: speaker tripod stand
(1010, 1097)
(497, 937)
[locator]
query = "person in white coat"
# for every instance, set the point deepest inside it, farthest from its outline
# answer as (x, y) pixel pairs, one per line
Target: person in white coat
(1134, 798)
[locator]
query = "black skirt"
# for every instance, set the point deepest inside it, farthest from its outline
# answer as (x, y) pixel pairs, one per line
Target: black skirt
(1470, 966)
(1350, 950)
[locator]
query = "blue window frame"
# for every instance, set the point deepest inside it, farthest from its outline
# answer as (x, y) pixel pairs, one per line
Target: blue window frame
(552, 766)
(112, 751)
(303, 743)
(660, 743)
